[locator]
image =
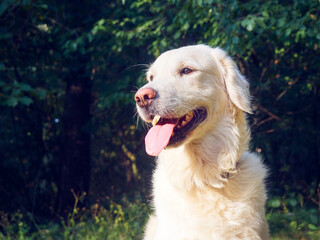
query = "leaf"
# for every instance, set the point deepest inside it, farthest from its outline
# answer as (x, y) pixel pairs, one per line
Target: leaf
(313, 218)
(5, 5)
(5, 36)
(177, 35)
(2, 66)
(265, 14)
(12, 102)
(293, 202)
(16, 92)
(312, 227)
(293, 225)
(261, 23)
(25, 2)
(25, 100)
(274, 203)
(281, 22)
(248, 23)
(288, 32)
(235, 40)
(24, 87)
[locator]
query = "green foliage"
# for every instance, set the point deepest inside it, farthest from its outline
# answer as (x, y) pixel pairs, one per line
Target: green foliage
(47, 45)
(289, 219)
(126, 220)
(13, 94)
(299, 224)
(114, 221)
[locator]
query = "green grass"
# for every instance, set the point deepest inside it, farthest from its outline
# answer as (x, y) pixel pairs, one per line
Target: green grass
(289, 218)
(118, 221)
(298, 224)
(125, 220)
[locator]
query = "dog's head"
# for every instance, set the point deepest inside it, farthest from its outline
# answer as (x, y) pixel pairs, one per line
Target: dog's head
(188, 91)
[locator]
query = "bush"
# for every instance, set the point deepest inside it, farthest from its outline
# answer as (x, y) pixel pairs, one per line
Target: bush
(287, 217)
(123, 221)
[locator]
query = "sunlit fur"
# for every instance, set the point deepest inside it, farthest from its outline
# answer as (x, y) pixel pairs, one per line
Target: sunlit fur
(210, 187)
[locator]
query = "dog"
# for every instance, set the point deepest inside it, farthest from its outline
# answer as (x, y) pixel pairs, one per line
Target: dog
(206, 184)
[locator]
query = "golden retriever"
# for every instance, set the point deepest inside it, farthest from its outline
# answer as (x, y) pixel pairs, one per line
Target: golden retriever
(206, 184)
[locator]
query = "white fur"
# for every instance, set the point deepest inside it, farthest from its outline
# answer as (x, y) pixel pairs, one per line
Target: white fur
(210, 187)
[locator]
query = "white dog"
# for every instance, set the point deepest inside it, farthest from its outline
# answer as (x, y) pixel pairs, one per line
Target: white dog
(206, 184)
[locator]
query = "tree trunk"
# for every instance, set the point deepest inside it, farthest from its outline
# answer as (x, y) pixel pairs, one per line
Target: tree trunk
(75, 165)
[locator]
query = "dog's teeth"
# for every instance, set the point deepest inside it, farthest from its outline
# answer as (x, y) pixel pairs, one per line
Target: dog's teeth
(189, 116)
(183, 123)
(155, 120)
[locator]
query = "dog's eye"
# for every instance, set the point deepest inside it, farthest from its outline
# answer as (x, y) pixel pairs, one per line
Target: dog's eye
(151, 78)
(186, 71)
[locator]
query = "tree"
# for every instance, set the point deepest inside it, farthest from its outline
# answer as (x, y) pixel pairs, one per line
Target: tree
(68, 73)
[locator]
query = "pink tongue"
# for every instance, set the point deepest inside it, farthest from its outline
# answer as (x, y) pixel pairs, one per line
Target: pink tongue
(158, 138)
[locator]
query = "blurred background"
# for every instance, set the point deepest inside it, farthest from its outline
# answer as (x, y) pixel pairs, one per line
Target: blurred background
(72, 159)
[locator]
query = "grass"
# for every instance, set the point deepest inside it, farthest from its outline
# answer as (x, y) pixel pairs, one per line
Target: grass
(299, 224)
(125, 220)
(288, 218)
(115, 222)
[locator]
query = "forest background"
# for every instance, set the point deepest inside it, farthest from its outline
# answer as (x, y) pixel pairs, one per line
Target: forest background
(72, 159)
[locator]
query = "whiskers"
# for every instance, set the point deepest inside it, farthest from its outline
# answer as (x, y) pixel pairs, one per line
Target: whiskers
(136, 116)
(135, 89)
(145, 66)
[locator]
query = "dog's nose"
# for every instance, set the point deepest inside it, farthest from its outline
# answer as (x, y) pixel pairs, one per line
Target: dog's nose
(144, 96)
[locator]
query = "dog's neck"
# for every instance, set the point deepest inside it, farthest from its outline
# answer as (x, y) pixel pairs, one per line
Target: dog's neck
(212, 160)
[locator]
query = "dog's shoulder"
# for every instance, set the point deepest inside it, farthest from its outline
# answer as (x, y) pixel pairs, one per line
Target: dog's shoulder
(249, 182)
(251, 164)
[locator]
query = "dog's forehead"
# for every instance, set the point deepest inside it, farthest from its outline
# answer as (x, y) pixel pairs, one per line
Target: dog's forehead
(198, 56)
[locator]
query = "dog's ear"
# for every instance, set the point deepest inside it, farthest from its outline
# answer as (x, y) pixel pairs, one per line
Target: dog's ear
(236, 84)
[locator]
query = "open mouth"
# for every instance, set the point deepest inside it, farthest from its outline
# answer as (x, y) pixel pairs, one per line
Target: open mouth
(172, 131)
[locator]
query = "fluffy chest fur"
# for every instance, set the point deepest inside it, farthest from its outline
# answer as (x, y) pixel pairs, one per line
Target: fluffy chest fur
(187, 211)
